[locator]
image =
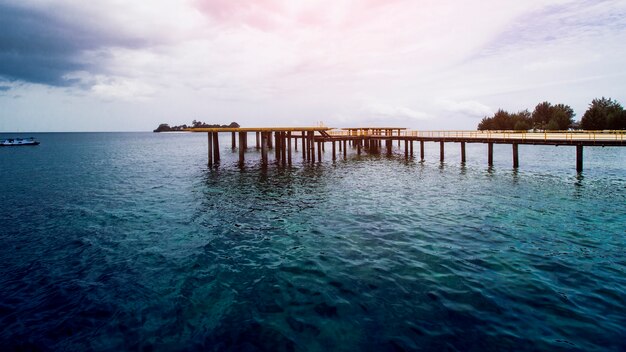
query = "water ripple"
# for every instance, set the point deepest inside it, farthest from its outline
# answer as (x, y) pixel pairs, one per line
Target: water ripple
(129, 242)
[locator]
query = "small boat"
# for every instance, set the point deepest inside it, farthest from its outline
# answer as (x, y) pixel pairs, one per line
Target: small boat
(12, 142)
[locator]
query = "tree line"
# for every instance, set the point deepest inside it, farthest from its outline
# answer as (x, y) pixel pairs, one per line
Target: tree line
(164, 127)
(602, 114)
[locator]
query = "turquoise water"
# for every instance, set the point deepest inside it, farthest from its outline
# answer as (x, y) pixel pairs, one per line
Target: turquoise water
(127, 241)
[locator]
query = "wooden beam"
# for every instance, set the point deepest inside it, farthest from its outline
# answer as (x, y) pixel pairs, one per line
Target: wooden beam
(242, 150)
(319, 151)
(216, 147)
(304, 147)
(277, 146)
(406, 148)
(289, 147)
(312, 144)
(579, 158)
(463, 152)
(264, 139)
(515, 156)
(210, 147)
(441, 151)
(283, 147)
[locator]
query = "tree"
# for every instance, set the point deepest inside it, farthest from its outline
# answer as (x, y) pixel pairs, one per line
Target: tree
(604, 114)
(503, 120)
(562, 116)
(552, 117)
(541, 115)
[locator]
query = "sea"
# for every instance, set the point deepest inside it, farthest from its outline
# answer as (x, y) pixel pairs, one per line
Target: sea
(130, 242)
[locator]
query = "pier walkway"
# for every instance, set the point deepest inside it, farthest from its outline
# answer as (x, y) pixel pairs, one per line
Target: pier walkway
(371, 140)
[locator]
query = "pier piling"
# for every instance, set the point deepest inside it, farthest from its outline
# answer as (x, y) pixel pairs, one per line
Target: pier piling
(264, 139)
(304, 147)
(406, 149)
(289, 147)
(242, 150)
(579, 158)
(283, 147)
(319, 151)
(441, 151)
(210, 147)
(312, 144)
(463, 152)
(216, 148)
(371, 140)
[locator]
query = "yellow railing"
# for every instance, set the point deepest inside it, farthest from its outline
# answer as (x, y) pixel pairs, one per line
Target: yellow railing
(606, 135)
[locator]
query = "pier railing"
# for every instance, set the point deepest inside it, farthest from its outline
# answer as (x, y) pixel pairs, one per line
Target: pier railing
(499, 135)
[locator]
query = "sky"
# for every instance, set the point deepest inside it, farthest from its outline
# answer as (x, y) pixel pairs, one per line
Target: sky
(129, 65)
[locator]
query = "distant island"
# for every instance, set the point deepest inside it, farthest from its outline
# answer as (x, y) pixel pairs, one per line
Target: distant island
(164, 127)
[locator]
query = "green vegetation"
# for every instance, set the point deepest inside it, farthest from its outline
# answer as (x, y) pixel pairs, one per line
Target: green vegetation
(545, 117)
(552, 117)
(164, 127)
(504, 120)
(603, 114)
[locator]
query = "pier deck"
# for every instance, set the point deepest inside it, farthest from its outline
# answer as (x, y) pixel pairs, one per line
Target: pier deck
(370, 139)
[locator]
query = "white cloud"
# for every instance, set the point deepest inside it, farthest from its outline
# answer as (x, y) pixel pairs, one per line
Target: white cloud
(469, 107)
(393, 112)
(331, 59)
(123, 89)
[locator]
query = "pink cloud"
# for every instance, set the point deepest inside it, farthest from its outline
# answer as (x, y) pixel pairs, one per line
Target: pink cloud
(272, 15)
(260, 14)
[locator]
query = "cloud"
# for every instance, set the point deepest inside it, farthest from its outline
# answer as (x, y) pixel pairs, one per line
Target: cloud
(43, 45)
(360, 61)
(393, 112)
(562, 21)
(469, 108)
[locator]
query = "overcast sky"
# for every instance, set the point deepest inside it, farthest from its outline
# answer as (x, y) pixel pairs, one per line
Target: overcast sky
(128, 65)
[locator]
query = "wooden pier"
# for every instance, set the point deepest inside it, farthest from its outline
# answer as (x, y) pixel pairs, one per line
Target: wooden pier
(284, 141)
